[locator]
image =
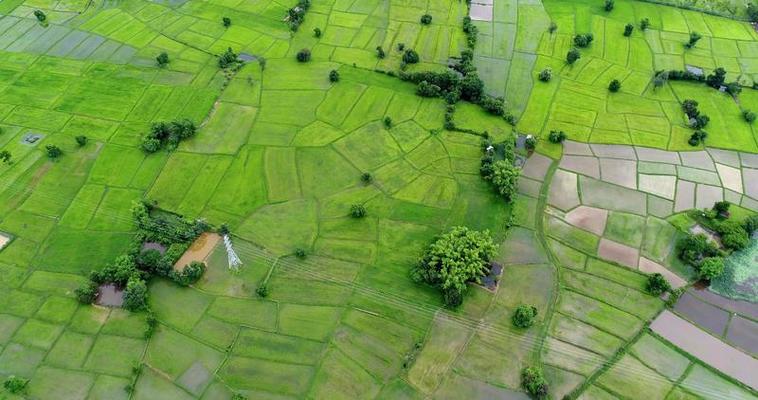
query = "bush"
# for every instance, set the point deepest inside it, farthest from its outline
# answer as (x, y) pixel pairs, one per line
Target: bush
(426, 19)
(644, 24)
(546, 75)
(692, 249)
(296, 15)
(749, 116)
(504, 179)
(387, 121)
(162, 59)
(300, 253)
(614, 86)
(5, 156)
(53, 151)
(263, 290)
(426, 89)
(583, 40)
(152, 324)
(149, 261)
(694, 37)
(533, 381)
(552, 27)
(226, 21)
(380, 52)
(81, 140)
(357, 211)
(230, 58)
(710, 268)
(530, 143)
(87, 293)
(609, 5)
(471, 32)
(410, 57)
(493, 105)
(15, 385)
(524, 316)
(572, 56)
(454, 259)
(135, 295)
(472, 88)
(303, 55)
(40, 15)
(734, 236)
(334, 76)
(556, 136)
(191, 273)
(317, 32)
(628, 29)
(657, 284)
(366, 178)
(697, 137)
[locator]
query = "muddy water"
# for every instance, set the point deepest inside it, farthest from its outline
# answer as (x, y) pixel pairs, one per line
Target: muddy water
(110, 296)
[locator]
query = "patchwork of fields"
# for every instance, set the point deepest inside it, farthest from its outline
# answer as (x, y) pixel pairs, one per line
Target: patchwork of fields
(280, 157)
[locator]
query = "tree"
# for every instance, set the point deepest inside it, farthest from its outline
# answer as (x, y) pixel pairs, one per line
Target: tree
(628, 29)
(334, 76)
(749, 116)
(692, 249)
(657, 284)
(614, 86)
(317, 32)
(40, 15)
(149, 260)
(717, 78)
(710, 268)
(380, 52)
(722, 208)
(701, 121)
(15, 385)
(734, 88)
(556, 136)
(694, 37)
(191, 273)
(53, 151)
(546, 75)
(472, 88)
(697, 137)
(300, 253)
(504, 179)
(262, 62)
(660, 79)
(524, 316)
(583, 40)
(752, 11)
(81, 140)
(609, 5)
(162, 59)
(410, 56)
(690, 108)
(367, 178)
(426, 89)
(493, 105)
(387, 121)
(87, 293)
(135, 294)
(263, 290)
(734, 236)
(572, 56)
(552, 27)
(303, 55)
(533, 381)
(530, 143)
(357, 211)
(230, 58)
(226, 21)
(426, 19)
(5, 157)
(454, 259)
(644, 24)
(751, 224)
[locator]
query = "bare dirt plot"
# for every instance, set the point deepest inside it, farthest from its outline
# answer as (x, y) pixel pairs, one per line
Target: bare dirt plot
(685, 196)
(743, 333)
(199, 250)
(708, 317)
(614, 151)
(588, 218)
(563, 193)
(620, 172)
(536, 167)
(584, 165)
(707, 348)
(650, 267)
(731, 178)
(618, 252)
(660, 185)
(697, 159)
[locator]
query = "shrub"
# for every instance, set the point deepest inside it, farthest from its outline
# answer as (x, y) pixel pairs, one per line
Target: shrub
(749, 116)
(135, 295)
(262, 62)
(692, 249)
(226, 21)
(357, 211)
(583, 40)
(230, 58)
(380, 52)
(524, 316)
(614, 86)
(734, 88)
(81, 140)
(400, 46)
(53, 151)
(504, 179)
(162, 59)
(87, 293)
(556, 136)
(40, 15)
(609, 5)
(426, 89)
(300, 253)
(303, 55)
(644, 24)
(546, 75)
(628, 29)
(410, 57)
(710, 268)
(552, 27)
(572, 56)
(454, 259)
(717, 78)
(317, 32)
(471, 32)
(334, 76)
(5, 156)
(657, 284)
(426, 19)
(387, 121)
(15, 385)
(694, 37)
(191, 273)
(493, 105)
(366, 178)
(533, 381)
(263, 290)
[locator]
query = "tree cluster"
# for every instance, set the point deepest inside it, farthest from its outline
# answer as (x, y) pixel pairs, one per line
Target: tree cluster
(697, 121)
(749, 116)
(15, 385)
(53, 152)
(502, 175)
(628, 29)
(296, 14)
(533, 381)
(230, 59)
(524, 316)
(644, 24)
(471, 32)
(583, 40)
(657, 284)
(456, 258)
(752, 12)
(702, 254)
(168, 135)
(556, 136)
(162, 59)
(609, 4)
(40, 15)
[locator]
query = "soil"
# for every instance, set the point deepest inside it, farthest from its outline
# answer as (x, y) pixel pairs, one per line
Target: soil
(199, 250)
(706, 316)
(110, 295)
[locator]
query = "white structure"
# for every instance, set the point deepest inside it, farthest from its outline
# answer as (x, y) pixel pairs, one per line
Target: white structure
(234, 261)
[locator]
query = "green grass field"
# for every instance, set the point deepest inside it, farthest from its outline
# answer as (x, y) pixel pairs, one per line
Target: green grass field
(279, 155)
